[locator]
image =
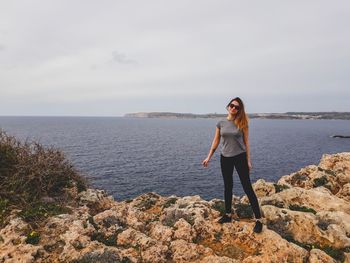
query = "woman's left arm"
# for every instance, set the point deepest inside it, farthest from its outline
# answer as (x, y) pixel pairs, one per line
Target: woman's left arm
(246, 142)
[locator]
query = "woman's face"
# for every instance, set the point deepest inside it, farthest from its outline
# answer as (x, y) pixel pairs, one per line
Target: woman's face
(233, 107)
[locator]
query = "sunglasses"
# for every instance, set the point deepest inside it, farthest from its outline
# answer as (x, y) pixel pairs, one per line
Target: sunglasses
(234, 106)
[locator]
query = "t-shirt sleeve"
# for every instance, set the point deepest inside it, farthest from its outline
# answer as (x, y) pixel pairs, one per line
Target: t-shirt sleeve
(218, 125)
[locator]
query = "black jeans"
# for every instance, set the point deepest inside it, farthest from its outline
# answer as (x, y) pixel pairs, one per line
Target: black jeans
(227, 166)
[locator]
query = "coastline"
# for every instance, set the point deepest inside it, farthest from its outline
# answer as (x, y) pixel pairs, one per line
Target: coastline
(286, 116)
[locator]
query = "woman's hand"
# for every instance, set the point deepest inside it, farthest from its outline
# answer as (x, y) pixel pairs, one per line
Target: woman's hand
(205, 162)
(250, 165)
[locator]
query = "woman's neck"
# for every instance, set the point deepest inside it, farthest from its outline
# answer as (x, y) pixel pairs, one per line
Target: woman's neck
(231, 117)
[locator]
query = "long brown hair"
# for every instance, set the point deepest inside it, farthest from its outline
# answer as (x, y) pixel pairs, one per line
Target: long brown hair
(241, 119)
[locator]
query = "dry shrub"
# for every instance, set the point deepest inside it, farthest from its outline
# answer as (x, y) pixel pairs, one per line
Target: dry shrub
(29, 172)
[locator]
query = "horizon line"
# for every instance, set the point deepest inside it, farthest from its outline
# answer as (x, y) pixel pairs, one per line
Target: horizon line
(168, 112)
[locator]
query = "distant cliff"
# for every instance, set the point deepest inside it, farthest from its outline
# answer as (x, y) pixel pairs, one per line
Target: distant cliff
(287, 115)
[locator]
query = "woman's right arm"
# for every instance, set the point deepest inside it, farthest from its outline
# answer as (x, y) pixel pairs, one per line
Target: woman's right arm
(213, 147)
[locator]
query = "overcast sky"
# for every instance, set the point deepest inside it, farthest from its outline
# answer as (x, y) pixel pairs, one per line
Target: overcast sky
(108, 58)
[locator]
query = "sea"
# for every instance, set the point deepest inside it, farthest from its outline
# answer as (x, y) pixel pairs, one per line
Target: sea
(127, 157)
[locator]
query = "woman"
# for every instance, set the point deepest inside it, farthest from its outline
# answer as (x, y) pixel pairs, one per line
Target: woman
(235, 152)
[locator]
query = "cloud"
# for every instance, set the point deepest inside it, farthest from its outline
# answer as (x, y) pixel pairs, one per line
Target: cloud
(2, 47)
(122, 58)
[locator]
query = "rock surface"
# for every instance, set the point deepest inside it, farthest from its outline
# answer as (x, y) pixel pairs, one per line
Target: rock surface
(306, 218)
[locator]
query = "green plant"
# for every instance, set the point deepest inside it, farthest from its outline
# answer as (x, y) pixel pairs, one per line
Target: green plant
(280, 188)
(320, 181)
(170, 222)
(322, 224)
(181, 206)
(302, 209)
(92, 222)
(146, 203)
(244, 210)
(39, 211)
(33, 238)
(126, 260)
(190, 220)
(219, 206)
(169, 202)
(298, 177)
(218, 236)
(307, 246)
(107, 240)
(4, 210)
(337, 254)
(197, 239)
(328, 171)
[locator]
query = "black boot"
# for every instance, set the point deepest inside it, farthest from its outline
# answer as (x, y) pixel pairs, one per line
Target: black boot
(258, 226)
(225, 219)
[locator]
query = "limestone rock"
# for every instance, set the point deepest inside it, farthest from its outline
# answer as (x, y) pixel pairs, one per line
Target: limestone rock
(217, 259)
(187, 252)
(160, 232)
(183, 230)
(261, 188)
(307, 227)
(318, 199)
(96, 200)
(132, 237)
(13, 247)
(306, 214)
(344, 193)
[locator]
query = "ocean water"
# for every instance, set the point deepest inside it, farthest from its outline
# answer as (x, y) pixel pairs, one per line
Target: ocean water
(130, 156)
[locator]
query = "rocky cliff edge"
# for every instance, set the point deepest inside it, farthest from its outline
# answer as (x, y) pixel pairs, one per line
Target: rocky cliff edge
(306, 218)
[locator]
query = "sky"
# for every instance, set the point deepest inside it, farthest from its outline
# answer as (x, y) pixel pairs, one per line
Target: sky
(108, 58)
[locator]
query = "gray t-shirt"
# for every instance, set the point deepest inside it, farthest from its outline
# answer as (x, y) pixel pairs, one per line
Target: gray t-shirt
(231, 137)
